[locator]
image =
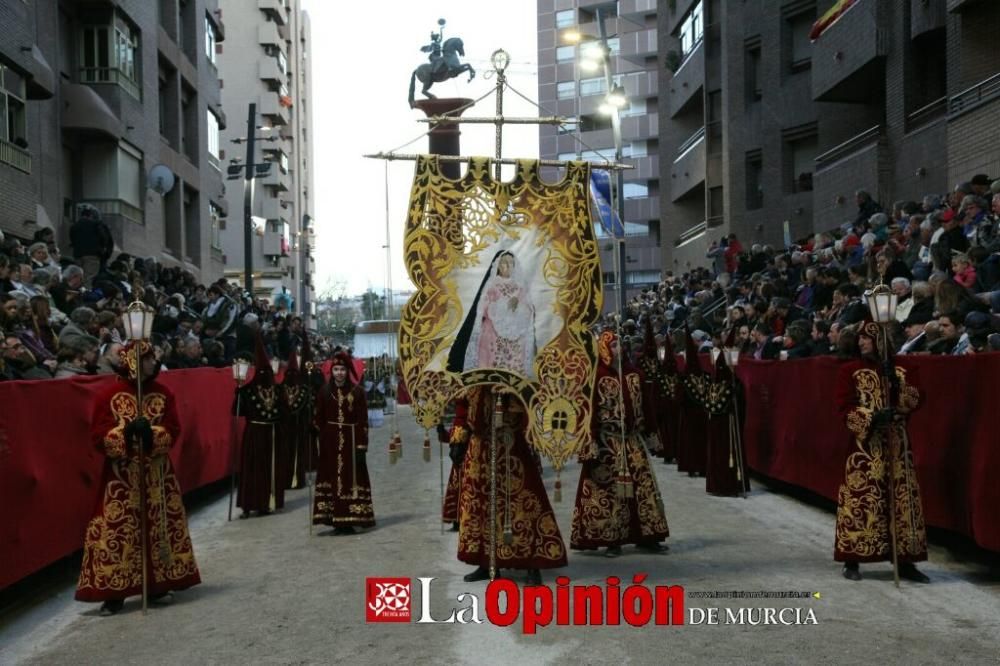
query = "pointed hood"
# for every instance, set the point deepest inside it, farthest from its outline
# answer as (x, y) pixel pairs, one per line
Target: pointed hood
(692, 366)
(262, 373)
(723, 373)
(648, 340)
(292, 375)
(669, 355)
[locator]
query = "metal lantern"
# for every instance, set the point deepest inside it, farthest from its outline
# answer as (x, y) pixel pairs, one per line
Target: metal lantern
(138, 321)
(661, 353)
(881, 304)
(732, 357)
(715, 354)
(241, 367)
(275, 364)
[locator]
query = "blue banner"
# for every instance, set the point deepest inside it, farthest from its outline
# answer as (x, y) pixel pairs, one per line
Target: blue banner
(600, 195)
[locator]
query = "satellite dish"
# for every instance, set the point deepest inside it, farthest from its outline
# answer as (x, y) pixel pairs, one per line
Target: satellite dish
(161, 179)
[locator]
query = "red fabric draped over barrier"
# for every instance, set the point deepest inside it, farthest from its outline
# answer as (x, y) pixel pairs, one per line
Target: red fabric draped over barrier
(793, 434)
(49, 469)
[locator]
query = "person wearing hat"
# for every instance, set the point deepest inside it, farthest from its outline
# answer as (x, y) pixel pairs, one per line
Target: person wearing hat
(617, 500)
(981, 185)
(343, 497)
(878, 505)
(112, 559)
(263, 456)
(916, 338)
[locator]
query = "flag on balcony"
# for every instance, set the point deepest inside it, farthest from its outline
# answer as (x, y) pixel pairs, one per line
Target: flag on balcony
(285, 101)
(830, 17)
(600, 196)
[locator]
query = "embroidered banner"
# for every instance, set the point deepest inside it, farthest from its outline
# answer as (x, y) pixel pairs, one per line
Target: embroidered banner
(508, 282)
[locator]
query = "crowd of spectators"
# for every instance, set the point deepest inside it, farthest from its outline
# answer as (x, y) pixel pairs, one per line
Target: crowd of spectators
(62, 315)
(941, 256)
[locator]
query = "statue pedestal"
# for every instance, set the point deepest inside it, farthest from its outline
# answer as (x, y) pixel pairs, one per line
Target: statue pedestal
(444, 137)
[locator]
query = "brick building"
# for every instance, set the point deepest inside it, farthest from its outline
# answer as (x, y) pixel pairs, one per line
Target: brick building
(94, 95)
(272, 38)
(768, 134)
(565, 89)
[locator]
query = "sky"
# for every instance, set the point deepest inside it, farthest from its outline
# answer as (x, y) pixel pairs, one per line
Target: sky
(364, 110)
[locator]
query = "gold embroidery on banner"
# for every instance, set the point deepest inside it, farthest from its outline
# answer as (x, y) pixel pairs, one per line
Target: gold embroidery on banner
(450, 223)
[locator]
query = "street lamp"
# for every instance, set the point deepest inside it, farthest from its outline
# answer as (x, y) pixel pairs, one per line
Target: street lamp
(597, 54)
(881, 304)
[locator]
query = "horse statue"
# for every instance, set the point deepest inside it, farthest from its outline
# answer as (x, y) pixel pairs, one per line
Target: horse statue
(443, 65)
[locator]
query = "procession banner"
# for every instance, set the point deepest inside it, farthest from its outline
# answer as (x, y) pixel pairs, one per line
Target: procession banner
(508, 283)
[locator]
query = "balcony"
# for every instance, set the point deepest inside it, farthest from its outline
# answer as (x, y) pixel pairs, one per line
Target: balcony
(274, 244)
(687, 82)
(688, 169)
(840, 172)
(848, 62)
(15, 156)
(111, 76)
(926, 16)
(639, 45)
(267, 34)
(983, 92)
(959, 6)
(645, 167)
(269, 106)
(275, 179)
(679, 10)
(275, 9)
(927, 114)
(636, 9)
(268, 70)
(271, 209)
(645, 126)
(116, 208)
(642, 209)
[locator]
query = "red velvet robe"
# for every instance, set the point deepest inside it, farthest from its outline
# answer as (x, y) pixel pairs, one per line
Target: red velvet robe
(112, 561)
(264, 455)
(298, 429)
(879, 479)
(601, 516)
(536, 542)
(692, 434)
(459, 436)
(343, 490)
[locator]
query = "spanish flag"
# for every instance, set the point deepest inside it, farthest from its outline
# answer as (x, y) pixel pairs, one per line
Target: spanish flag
(828, 19)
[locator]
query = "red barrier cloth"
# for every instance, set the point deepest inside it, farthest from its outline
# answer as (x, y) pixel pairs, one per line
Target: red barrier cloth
(793, 434)
(50, 471)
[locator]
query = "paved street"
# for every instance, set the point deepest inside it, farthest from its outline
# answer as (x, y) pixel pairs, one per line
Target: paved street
(274, 594)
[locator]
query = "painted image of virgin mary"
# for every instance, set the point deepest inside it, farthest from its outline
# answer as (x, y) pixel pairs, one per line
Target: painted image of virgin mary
(499, 331)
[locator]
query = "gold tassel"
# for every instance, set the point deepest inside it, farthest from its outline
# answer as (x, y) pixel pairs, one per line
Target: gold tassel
(399, 445)
(558, 492)
(427, 447)
(508, 536)
(392, 451)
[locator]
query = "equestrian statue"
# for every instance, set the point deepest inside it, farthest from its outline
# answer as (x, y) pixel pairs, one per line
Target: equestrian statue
(443, 65)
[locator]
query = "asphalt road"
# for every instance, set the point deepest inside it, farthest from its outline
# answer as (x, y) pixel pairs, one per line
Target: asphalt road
(273, 593)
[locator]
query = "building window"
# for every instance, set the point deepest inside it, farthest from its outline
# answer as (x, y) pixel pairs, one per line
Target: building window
(565, 90)
(800, 149)
(594, 86)
(566, 18)
(692, 30)
(109, 54)
(755, 180)
(595, 123)
(754, 76)
(113, 179)
(565, 53)
(212, 126)
(210, 40)
(799, 44)
(215, 219)
(635, 190)
(14, 130)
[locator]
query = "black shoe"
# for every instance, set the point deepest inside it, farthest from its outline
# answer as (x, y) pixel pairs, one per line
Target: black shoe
(112, 607)
(481, 573)
(345, 529)
(454, 527)
(613, 551)
(653, 547)
(244, 515)
(909, 571)
(852, 571)
(534, 577)
(162, 599)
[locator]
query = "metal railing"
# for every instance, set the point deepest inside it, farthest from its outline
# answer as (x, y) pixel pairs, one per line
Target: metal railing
(15, 156)
(927, 114)
(117, 207)
(846, 149)
(972, 97)
(689, 143)
(111, 76)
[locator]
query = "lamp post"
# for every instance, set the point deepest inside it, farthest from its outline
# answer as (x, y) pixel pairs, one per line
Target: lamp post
(882, 306)
(615, 100)
(241, 367)
(138, 323)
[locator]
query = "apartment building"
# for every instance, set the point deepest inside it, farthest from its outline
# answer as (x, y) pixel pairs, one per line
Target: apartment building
(94, 95)
(768, 133)
(270, 40)
(565, 88)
